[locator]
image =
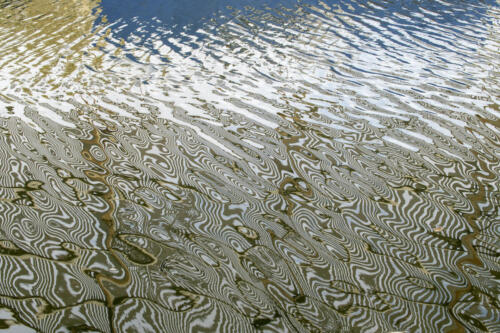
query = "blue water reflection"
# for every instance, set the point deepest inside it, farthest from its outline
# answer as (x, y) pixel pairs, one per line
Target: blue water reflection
(190, 15)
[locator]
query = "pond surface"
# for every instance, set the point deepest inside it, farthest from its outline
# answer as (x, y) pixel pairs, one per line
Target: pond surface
(244, 166)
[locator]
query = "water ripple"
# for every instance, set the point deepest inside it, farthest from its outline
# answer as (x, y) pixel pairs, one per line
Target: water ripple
(307, 166)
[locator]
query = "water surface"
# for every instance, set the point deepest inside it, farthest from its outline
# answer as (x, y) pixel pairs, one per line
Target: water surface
(243, 166)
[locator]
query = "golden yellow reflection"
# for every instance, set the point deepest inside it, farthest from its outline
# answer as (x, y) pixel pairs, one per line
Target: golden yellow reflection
(46, 37)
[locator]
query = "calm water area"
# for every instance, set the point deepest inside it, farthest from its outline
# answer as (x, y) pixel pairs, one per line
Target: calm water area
(249, 166)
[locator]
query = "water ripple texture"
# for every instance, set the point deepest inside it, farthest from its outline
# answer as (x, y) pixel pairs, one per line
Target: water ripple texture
(238, 166)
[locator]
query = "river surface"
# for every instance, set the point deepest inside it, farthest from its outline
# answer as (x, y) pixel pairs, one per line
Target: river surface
(247, 166)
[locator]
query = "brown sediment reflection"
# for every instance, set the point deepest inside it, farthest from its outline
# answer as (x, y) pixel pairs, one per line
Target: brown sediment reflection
(107, 218)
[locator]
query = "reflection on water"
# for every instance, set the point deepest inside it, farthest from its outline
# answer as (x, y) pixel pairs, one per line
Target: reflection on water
(305, 167)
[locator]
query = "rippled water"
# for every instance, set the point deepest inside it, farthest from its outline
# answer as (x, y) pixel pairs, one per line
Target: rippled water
(232, 166)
